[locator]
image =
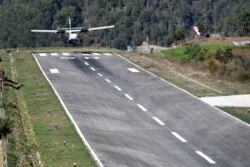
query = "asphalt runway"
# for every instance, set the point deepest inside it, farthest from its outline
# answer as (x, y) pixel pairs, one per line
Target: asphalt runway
(132, 118)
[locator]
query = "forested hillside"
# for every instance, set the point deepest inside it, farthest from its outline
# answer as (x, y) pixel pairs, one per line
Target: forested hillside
(162, 21)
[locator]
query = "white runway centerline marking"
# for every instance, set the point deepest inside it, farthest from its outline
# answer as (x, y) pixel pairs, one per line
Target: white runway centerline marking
(86, 58)
(118, 88)
(100, 74)
(179, 137)
(205, 157)
(107, 80)
(54, 71)
(92, 68)
(96, 54)
(85, 54)
(96, 58)
(133, 70)
(86, 63)
(142, 107)
(54, 54)
(43, 54)
(158, 121)
(129, 97)
(65, 54)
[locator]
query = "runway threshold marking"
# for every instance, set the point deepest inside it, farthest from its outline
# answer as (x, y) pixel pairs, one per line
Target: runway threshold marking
(54, 71)
(43, 54)
(129, 97)
(67, 58)
(86, 63)
(179, 137)
(158, 121)
(107, 80)
(85, 54)
(142, 107)
(96, 58)
(118, 88)
(205, 157)
(92, 68)
(54, 54)
(96, 54)
(107, 54)
(100, 74)
(65, 54)
(86, 58)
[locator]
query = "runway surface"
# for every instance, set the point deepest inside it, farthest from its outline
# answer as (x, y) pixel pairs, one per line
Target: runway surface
(132, 118)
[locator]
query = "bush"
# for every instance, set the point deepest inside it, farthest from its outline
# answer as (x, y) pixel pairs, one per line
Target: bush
(210, 62)
(224, 56)
(6, 126)
(195, 52)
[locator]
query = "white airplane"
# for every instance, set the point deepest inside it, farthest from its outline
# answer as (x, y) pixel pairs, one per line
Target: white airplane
(74, 32)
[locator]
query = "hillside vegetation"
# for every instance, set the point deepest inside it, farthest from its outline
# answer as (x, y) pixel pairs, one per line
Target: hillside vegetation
(161, 21)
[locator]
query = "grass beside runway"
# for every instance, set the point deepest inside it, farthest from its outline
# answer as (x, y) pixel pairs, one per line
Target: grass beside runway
(239, 112)
(57, 141)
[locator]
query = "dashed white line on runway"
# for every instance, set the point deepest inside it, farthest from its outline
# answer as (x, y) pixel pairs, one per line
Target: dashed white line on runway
(96, 58)
(132, 70)
(86, 58)
(92, 68)
(179, 137)
(158, 121)
(107, 80)
(129, 97)
(205, 157)
(100, 74)
(54, 71)
(86, 63)
(142, 107)
(118, 88)
(85, 54)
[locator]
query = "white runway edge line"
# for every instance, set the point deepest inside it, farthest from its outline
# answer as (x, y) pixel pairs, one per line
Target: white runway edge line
(107, 80)
(182, 90)
(158, 121)
(100, 74)
(86, 63)
(205, 157)
(129, 97)
(179, 137)
(92, 68)
(99, 163)
(118, 88)
(141, 107)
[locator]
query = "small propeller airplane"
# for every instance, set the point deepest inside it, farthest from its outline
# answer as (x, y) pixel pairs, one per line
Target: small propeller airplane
(73, 32)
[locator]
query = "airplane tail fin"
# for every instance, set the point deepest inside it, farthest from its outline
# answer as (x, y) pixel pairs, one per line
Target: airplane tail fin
(69, 24)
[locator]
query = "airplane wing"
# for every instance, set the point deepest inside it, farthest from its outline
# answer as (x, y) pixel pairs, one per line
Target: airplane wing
(101, 28)
(45, 31)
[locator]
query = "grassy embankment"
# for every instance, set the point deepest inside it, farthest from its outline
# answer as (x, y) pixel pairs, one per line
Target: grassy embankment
(49, 122)
(179, 55)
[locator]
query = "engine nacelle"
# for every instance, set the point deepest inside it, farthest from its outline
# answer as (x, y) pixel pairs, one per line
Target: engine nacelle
(84, 30)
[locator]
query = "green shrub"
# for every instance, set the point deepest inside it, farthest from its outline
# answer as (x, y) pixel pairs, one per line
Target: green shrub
(6, 126)
(224, 56)
(195, 52)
